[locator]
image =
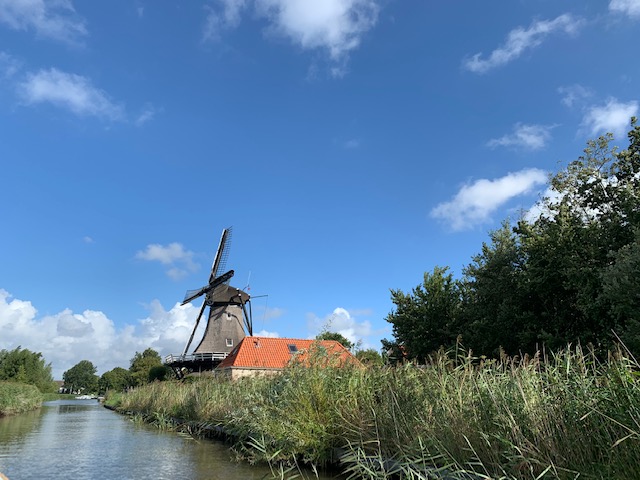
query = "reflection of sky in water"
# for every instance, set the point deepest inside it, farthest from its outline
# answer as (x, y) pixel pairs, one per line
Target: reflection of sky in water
(82, 440)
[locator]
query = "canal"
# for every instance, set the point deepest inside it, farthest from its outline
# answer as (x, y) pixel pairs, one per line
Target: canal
(80, 439)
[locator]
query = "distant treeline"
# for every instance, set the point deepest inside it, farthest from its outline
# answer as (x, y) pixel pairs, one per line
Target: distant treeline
(144, 367)
(568, 275)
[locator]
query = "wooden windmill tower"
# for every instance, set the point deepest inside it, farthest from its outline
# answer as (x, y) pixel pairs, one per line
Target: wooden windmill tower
(227, 319)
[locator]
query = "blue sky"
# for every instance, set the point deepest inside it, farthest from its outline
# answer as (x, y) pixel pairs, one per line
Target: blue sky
(352, 145)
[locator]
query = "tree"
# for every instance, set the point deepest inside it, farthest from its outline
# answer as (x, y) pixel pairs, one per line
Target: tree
(22, 365)
(81, 377)
(494, 314)
(337, 337)
(118, 379)
(369, 356)
(427, 318)
(142, 365)
(620, 287)
(585, 227)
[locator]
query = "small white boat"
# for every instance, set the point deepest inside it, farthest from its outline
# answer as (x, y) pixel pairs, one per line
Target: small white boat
(84, 397)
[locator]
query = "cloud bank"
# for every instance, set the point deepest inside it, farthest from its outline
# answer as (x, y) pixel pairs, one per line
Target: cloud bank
(66, 338)
(476, 202)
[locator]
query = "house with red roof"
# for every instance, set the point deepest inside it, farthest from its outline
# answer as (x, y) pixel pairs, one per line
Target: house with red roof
(265, 355)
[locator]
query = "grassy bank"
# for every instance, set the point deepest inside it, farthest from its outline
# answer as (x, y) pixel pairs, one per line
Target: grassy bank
(18, 398)
(567, 417)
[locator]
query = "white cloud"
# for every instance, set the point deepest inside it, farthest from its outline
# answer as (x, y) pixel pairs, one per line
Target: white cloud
(335, 26)
(520, 39)
(529, 137)
(573, 94)
(174, 256)
(613, 116)
(265, 333)
(70, 91)
(346, 323)
(67, 338)
(627, 7)
(475, 202)
(53, 19)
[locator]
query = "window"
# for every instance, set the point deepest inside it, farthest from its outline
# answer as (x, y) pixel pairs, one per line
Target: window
(292, 348)
(229, 342)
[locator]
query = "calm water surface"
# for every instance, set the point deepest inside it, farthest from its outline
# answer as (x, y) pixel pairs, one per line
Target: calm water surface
(80, 439)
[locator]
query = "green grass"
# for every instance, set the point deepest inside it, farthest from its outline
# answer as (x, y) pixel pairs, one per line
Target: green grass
(568, 416)
(18, 398)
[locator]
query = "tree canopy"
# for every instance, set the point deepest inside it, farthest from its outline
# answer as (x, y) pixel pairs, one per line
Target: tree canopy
(570, 274)
(144, 365)
(22, 365)
(370, 356)
(338, 337)
(118, 379)
(81, 377)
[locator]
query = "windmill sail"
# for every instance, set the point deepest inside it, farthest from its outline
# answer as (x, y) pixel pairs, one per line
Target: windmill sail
(193, 294)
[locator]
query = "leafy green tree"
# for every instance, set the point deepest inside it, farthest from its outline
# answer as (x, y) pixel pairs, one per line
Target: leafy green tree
(621, 284)
(142, 365)
(369, 356)
(118, 379)
(160, 373)
(81, 377)
(569, 248)
(337, 337)
(24, 366)
(427, 318)
(493, 315)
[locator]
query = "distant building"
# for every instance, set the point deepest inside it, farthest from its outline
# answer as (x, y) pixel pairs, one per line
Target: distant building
(266, 356)
(61, 387)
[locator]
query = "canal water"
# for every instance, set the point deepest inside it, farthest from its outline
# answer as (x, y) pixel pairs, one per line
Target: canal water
(80, 439)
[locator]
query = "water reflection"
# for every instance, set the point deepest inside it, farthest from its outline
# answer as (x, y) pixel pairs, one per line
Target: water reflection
(80, 439)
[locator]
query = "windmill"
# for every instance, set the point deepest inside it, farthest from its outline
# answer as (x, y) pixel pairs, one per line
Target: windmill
(227, 319)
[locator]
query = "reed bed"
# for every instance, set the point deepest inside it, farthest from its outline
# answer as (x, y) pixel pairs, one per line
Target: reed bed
(18, 398)
(568, 416)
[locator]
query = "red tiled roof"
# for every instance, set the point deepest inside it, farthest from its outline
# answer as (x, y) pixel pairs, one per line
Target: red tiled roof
(266, 352)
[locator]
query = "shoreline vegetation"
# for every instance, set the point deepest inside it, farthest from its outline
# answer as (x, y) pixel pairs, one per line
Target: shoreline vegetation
(569, 415)
(16, 398)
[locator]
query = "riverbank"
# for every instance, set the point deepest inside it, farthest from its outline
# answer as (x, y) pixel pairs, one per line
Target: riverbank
(568, 416)
(18, 398)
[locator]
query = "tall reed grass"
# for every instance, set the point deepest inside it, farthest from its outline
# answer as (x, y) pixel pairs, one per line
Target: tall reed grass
(18, 398)
(566, 416)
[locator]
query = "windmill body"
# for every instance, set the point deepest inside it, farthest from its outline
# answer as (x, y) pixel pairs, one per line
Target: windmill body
(227, 318)
(225, 326)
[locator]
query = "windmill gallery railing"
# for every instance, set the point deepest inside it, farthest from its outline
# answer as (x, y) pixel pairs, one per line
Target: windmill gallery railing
(195, 361)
